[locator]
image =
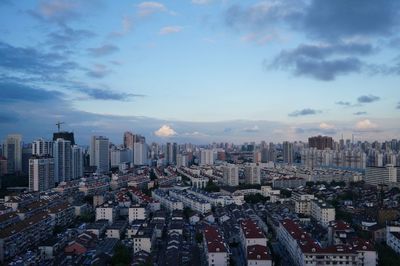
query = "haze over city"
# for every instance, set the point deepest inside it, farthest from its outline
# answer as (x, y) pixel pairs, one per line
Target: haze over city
(201, 71)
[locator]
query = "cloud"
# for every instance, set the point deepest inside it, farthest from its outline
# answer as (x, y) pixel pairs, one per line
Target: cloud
(103, 50)
(67, 36)
(304, 112)
(165, 131)
(107, 94)
(59, 11)
(252, 129)
(360, 113)
(342, 19)
(316, 60)
(14, 92)
(98, 71)
(127, 26)
(366, 124)
(343, 103)
(398, 105)
(170, 30)
(264, 15)
(148, 8)
(368, 99)
(326, 126)
(201, 2)
(32, 61)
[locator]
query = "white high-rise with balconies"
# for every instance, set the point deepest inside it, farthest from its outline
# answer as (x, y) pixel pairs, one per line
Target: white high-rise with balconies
(42, 147)
(62, 154)
(77, 162)
(230, 174)
(41, 173)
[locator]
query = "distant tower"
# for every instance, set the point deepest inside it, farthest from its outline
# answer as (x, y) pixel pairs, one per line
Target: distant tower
(99, 153)
(288, 152)
(62, 160)
(13, 153)
(41, 173)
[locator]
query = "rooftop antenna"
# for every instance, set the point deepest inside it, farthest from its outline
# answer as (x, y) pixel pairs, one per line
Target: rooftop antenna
(58, 124)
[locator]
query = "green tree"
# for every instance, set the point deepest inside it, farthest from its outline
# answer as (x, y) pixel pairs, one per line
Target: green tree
(122, 255)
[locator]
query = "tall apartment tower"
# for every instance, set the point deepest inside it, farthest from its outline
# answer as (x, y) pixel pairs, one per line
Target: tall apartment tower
(206, 157)
(288, 152)
(252, 174)
(99, 153)
(62, 154)
(230, 175)
(42, 147)
(77, 162)
(140, 154)
(13, 152)
(41, 173)
(320, 142)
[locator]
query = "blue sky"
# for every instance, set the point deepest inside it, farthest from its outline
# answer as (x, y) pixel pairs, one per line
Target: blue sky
(201, 70)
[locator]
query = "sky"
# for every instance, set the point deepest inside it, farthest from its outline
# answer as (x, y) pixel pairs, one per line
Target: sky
(201, 70)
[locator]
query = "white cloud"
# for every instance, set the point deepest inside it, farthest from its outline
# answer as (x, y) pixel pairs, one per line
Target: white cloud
(149, 8)
(201, 2)
(326, 126)
(165, 131)
(170, 30)
(366, 124)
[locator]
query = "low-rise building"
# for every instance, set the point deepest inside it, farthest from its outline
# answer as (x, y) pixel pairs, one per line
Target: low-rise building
(322, 212)
(137, 212)
(107, 211)
(216, 250)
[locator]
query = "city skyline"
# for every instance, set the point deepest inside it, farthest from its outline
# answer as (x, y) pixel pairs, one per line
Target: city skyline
(200, 71)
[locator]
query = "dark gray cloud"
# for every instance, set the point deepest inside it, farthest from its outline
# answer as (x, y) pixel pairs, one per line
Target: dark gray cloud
(368, 98)
(342, 18)
(343, 103)
(103, 50)
(316, 131)
(107, 94)
(320, 69)
(32, 61)
(316, 60)
(14, 92)
(67, 36)
(304, 112)
(360, 113)
(98, 71)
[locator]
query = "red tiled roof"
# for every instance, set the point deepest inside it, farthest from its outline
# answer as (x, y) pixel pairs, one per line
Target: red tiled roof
(214, 240)
(251, 229)
(258, 252)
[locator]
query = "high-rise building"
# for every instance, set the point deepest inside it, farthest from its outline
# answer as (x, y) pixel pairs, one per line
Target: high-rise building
(99, 154)
(77, 162)
(64, 135)
(230, 175)
(320, 142)
(62, 154)
(171, 153)
(119, 156)
(26, 155)
(3, 165)
(206, 157)
(42, 147)
(252, 174)
(140, 154)
(13, 152)
(129, 139)
(288, 152)
(41, 173)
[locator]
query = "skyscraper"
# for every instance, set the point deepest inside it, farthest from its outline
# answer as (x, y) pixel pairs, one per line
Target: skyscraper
(230, 174)
(252, 174)
(206, 157)
(171, 153)
(99, 154)
(64, 135)
(77, 162)
(287, 152)
(42, 147)
(41, 173)
(62, 160)
(140, 154)
(320, 142)
(13, 153)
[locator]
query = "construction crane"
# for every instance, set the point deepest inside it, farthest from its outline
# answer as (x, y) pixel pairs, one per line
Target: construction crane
(58, 124)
